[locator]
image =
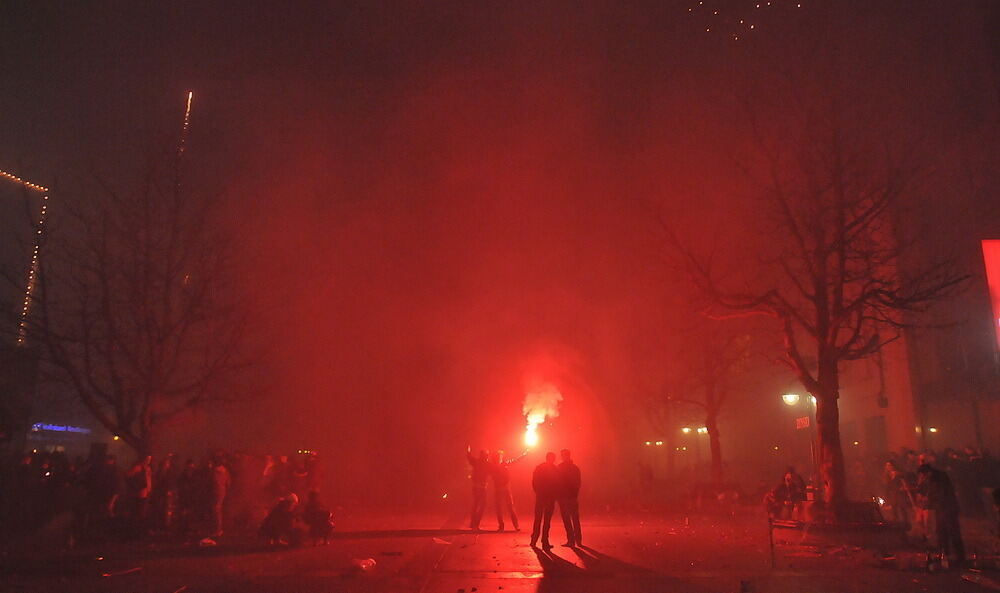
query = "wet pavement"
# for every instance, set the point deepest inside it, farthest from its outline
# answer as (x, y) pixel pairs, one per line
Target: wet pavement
(428, 554)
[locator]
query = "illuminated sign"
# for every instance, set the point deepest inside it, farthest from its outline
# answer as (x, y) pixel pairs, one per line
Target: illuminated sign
(39, 426)
(991, 257)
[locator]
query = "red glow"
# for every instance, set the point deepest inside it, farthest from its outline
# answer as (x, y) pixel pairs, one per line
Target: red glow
(540, 402)
(991, 257)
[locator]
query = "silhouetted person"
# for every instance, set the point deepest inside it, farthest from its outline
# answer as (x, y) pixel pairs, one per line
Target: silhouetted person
(279, 524)
(934, 487)
(103, 484)
(219, 487)
(313, 469)
(318, 518)
(164, 497)
(545, 483)
(281, 477)
(501, 489)
(782, 500)
(797, 479)
(569, 499)
(480, 477)
(139, 482)
(187, 495)
(898, 487)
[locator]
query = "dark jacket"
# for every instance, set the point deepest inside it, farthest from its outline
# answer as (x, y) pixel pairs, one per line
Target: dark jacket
(480, 470)
(545, 480)
(569, 480)
(936, 492)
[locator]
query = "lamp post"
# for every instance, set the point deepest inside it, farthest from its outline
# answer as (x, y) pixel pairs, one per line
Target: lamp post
(794, 399)
(701, 430)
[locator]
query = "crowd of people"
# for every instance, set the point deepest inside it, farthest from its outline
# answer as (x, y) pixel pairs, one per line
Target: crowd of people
(924, 493)
(551, 483)
(163, 496)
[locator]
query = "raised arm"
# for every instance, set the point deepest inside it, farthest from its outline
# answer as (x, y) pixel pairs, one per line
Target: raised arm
(516, 459)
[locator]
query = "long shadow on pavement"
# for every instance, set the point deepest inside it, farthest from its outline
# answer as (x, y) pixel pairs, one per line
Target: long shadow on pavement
(404, 533)
(602, 573)
(598, 564)
(555, 566)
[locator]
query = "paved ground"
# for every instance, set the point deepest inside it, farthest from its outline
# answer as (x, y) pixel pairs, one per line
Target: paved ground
(427, 555)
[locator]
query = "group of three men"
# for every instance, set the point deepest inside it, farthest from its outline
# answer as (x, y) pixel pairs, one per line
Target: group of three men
(552, 483)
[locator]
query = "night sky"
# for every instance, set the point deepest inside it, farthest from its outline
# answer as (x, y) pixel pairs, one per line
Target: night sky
(434, 203)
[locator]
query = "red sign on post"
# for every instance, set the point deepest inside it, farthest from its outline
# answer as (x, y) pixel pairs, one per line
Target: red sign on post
(801, 423)
(991, 257)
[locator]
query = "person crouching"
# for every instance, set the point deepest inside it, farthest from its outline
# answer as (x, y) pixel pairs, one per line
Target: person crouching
(279, 525)
(318, 518)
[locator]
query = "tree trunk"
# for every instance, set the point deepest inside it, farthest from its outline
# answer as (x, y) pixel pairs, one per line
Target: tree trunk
(830, 454)
(716, 448)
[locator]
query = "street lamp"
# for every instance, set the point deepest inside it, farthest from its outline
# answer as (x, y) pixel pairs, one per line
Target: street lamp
(790, 399)
(697, 442)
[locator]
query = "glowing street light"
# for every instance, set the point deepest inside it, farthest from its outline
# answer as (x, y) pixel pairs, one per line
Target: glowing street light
(932, 429)
(686, 430)
(790, 399)
(702, 430)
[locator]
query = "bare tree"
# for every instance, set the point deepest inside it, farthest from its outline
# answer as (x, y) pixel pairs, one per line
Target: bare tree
(135, 309)
(833, 272)
(716, 361)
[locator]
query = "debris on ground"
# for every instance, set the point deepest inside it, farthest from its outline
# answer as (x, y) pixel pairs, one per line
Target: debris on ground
(207, 543)
(363, 564)
(121, 572)
(982, 580)
(438, 540)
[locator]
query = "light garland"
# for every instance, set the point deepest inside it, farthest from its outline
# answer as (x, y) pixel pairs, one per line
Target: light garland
(29, 289)
(23, 182)
(722, 17)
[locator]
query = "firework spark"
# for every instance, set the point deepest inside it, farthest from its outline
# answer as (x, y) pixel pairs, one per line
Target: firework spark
(187, 124)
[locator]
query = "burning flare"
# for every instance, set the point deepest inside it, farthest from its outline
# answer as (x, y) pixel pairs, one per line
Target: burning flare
(540, 402)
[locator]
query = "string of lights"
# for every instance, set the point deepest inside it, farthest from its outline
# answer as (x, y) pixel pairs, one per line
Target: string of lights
(738, 18)
(23, 182)
(29, 289)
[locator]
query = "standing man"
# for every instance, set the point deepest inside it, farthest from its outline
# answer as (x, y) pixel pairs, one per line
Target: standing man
(569, 504)
(480, 476)
(545, 483)
(501, 489)
(935, 489)
(220, 480)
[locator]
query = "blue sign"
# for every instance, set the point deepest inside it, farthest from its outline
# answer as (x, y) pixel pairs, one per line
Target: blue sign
(38, 426)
